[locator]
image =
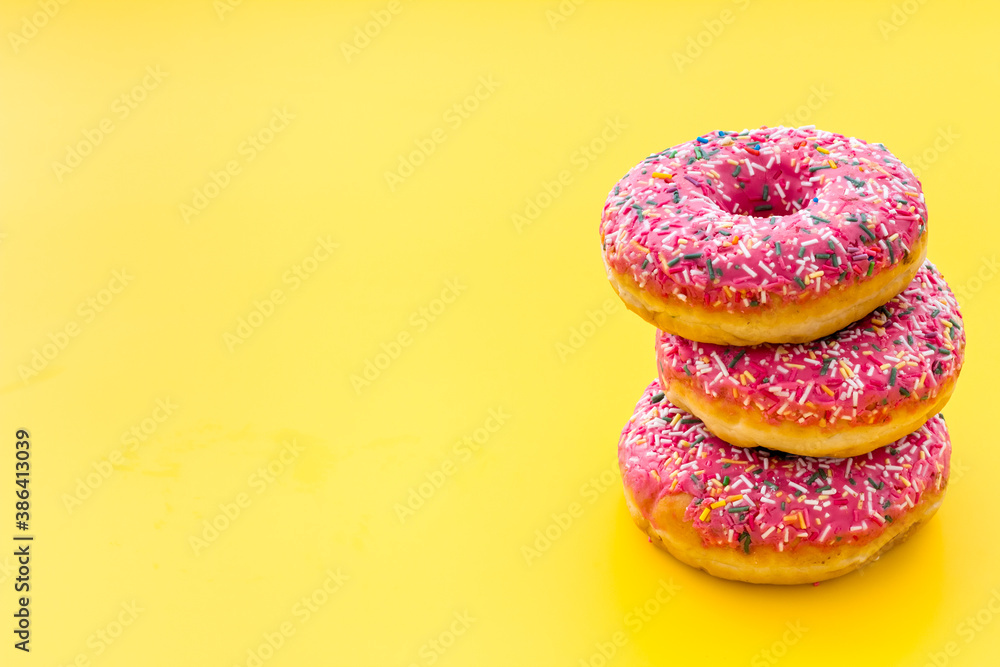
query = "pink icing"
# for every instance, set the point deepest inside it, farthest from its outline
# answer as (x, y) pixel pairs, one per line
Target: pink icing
(766, 497)
(902, 353)
(731, 218)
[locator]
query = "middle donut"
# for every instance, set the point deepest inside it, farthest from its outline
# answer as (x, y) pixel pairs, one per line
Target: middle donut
(856, 390)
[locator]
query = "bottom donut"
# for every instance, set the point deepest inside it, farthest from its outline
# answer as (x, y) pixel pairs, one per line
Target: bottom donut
(766, 517)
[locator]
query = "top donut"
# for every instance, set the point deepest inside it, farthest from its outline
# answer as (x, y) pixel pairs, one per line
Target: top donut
(774, 235)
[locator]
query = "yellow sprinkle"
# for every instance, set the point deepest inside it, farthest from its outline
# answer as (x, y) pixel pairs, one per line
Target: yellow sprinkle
(834, 165)
(947, 323)
(717, 504)
(822, 150)
(796, 366)
(900, 365)
(814, 274)
(674, 485)
(654, 475)
(704, 514)
(734, 461)
(902, 479)
(750, 375)
(676, 419)
(733, 162)
(666, 177)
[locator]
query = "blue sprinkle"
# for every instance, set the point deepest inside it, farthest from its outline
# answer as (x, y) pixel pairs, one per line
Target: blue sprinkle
(721, 133)
(815, 200)
(702, 140)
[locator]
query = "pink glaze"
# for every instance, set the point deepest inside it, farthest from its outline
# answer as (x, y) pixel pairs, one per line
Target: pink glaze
(664, 450)
(900, 354)
(731, 218)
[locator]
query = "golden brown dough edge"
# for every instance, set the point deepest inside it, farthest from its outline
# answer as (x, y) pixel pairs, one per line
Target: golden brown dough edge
(745, 426)
(797, 322)
(803, 564)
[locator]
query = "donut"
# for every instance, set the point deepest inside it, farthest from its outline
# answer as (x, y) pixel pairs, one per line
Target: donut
(861, 388)
(776, 235)
(766, 517)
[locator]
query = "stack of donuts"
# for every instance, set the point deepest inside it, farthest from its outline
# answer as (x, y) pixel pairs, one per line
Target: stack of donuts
(804, 351)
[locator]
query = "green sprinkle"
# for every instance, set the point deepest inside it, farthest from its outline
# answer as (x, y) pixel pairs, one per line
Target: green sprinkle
(677, 196)
(892, 378)
(767, 192)
(657, 397)
(799, 282)
(763, 207)
(824, 166)
(818, 219)
(674, 261)
(904, 392)
(725, 481)
(739, 355)
(692, 255)
(867, 232)
(777, 248)
(645, 263)
(736, 170)
(871, 268)
(734, 510)
(770, 485)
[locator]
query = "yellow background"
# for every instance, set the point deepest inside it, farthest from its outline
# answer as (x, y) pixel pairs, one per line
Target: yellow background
(908, 76)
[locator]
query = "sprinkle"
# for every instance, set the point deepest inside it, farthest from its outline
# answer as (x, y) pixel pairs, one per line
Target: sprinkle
(660, 174)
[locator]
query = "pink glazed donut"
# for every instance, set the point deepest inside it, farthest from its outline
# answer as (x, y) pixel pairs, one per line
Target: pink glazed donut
(861, 388)
(776, 235)
(761, 516)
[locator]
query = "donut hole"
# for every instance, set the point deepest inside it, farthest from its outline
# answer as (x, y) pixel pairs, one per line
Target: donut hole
(764, 194)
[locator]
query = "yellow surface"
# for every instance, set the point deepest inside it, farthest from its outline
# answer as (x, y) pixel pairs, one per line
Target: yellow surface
(485, 316)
